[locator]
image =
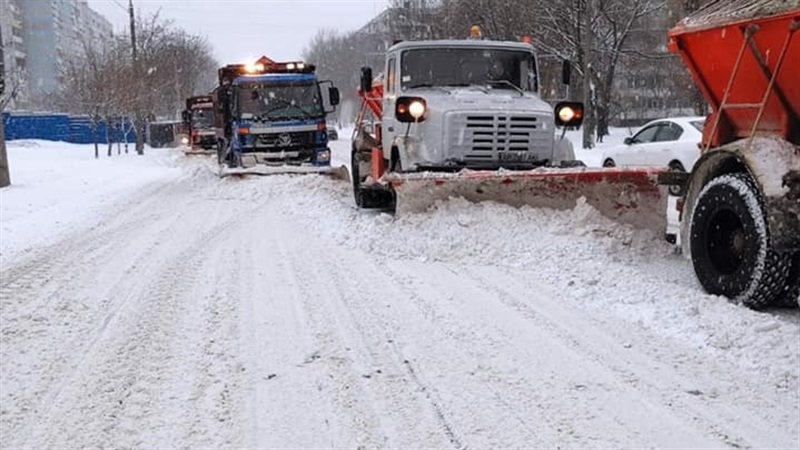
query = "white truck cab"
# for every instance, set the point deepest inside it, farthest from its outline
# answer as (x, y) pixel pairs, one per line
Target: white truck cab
(452, 104)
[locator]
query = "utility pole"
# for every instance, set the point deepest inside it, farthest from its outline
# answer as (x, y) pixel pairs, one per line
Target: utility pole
(138, 119)
(5, 177)
(133, 31)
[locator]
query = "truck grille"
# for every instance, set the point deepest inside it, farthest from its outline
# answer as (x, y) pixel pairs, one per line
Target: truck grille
(277, 142)
(484, 138)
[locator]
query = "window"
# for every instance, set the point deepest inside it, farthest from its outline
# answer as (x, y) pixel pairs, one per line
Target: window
(647, 135)
(391, 72)
(698, 124)
(497, 68)
(669, 132)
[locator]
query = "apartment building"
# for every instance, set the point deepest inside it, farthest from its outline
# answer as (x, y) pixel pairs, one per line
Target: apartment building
(14, 53)
(39, 37)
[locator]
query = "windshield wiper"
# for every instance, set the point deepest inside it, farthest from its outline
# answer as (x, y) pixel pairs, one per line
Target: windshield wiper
(507, 83)
(286, 104)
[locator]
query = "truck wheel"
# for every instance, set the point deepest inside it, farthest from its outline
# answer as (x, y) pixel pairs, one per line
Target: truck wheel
(674, 190)
(730, 246)
(376, 197)
(355, 176)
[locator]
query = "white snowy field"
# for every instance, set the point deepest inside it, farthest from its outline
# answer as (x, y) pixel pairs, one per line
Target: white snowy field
(146, 303)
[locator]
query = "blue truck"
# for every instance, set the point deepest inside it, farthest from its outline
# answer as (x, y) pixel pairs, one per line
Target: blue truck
(274, 118)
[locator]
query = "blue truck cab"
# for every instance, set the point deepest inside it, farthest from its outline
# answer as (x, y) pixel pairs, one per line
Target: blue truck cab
(274, 115)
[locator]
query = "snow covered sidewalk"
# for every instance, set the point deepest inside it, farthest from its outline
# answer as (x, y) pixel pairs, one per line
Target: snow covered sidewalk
(60, 188)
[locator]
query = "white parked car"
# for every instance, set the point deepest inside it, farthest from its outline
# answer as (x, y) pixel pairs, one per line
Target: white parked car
(671, 142)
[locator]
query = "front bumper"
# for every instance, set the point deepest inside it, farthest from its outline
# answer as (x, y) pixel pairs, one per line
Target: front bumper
(306, 157)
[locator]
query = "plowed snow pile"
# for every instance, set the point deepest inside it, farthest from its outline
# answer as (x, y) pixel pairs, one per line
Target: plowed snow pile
(601, 265)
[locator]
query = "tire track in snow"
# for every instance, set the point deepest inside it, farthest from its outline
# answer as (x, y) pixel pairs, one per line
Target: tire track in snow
(53, 315)
(355, 276)
(692, 395)
(369, 397)
(545, 384)
(132, 356)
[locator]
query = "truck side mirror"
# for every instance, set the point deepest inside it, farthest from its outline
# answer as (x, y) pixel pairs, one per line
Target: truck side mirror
(333, 93)
(366, 80)
(566, 72)
(186, 116)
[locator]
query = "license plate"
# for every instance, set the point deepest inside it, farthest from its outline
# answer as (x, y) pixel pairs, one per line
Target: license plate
(517, 156)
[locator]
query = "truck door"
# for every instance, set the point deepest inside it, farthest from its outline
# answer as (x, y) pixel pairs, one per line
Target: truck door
(389, 100)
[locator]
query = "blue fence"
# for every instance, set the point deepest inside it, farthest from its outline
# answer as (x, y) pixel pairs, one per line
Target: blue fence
(63, 127)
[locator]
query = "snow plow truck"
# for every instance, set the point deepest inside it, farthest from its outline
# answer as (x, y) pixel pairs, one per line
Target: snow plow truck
(445, 121)
(274, 118)
(199, 118)
(740, 210)
(464, 118)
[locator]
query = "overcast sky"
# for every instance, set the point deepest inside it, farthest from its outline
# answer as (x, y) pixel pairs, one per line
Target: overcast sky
(241, 30)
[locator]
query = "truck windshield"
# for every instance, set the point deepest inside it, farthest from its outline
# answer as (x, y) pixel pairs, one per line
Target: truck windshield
(271, 101)
(202, 118)
(499, 69)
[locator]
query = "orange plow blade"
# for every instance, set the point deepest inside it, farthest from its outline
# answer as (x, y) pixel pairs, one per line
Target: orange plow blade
(631, 196)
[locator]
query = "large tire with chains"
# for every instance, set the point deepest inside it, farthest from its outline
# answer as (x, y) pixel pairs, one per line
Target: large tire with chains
(730, 244)
(355, 176)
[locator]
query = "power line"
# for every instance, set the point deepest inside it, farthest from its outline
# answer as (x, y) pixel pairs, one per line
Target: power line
(116, 2)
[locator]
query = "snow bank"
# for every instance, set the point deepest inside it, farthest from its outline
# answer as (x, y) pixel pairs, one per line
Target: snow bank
(59, 188)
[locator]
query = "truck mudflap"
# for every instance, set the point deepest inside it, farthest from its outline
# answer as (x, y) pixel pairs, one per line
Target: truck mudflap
(630, 196)
(340, 172)
(783, 214)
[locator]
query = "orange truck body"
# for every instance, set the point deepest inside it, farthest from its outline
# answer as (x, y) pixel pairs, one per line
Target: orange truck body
(748, 69)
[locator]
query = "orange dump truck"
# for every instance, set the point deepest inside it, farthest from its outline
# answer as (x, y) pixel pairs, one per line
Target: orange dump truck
(740, 212)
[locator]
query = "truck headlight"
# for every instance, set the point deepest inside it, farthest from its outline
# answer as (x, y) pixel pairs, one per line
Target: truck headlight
(323, 156)
(410, 109)
(416, 109)
(569, 114)
(184, 140)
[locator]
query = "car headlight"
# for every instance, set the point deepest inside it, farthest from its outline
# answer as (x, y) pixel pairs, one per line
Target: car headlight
(410, 109)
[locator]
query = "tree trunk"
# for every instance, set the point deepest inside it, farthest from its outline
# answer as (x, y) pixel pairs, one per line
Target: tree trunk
(94, 138)
(5, 175)
(602, 109)
(108, 138)
(140, 130)
(589, 57)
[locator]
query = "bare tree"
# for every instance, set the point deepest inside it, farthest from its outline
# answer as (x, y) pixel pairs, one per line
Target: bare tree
(5, 176)
(107, 85)
(89, 88)
(171, 65)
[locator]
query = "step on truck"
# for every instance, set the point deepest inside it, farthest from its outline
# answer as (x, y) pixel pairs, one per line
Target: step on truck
(465, 118)
(740, 210)
(199, 119)
(274, 118)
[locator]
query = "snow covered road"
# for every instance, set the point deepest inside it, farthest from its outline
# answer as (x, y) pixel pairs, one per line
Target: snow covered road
(268, 312)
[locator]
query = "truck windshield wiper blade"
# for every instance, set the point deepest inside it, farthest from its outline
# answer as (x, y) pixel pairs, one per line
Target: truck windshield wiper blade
(507, 83)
